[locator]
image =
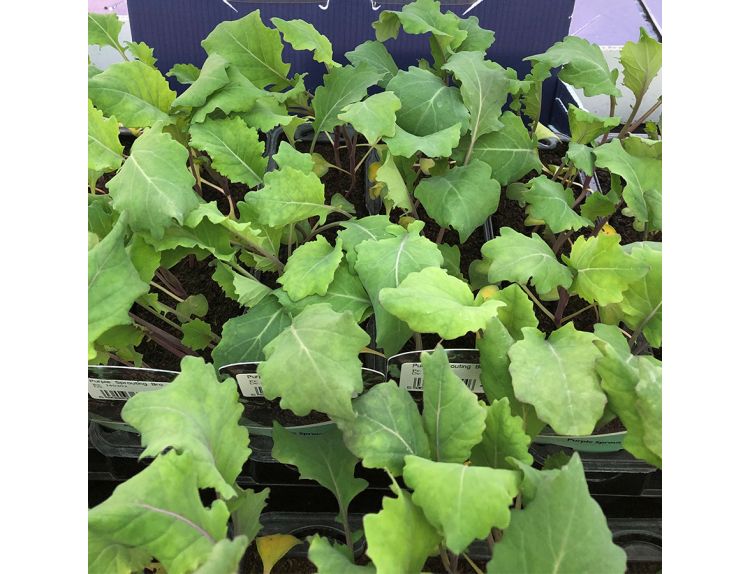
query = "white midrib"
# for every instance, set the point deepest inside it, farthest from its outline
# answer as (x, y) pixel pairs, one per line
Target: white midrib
(571, 408)
(252, 54)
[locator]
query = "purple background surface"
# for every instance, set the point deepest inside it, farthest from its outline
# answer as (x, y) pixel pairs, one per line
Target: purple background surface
(613, 22)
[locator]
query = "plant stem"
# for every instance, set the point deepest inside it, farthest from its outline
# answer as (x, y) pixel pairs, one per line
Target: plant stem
(335, 143)
(471, 563)
(347, 528)
(439, 238)
(642, 324)
(573, 315)
(257, 249)
(162, 338)
(445, 560)
(643, 118)
(467, 157)
(561, 304)
(560, 241)
(631, 117)
(194, 171)
(119, 360)
(418, 341)
(370, 351)
(317, 230)
(158, 315)
(612, 105)
(542, 308)
(166, 292)
(289, 242)
(364, 158)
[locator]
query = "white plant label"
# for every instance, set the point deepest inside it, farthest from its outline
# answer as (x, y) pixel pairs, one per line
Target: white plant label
(469, 373)
(111, 390)
(250, 385)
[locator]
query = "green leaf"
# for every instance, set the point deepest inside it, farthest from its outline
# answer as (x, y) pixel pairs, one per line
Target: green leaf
(243, 338)
(287, 196)
(374, 117)
(439, 144)
(246, 509)
(503, 437)
(323, 458)
(355, 231)
(550, 202)
(142, 51)
(583, 66)
(238, 95)
(516, 257)
(477, 38)
(105, 150)
(104, 30)
(157, 513)
(641, 304)
(451, 259)
(427, 104)
(249, 290)
(386, 428)
(585, 127)
(386, 263)
(184, 73)
(462, 502)
(225, 556)
(598, 204)
(582, 157)
(313, 364)
(558, 377)
(462, 199)
(452, 415)
(212, 77)
(431, 301)
(386, 531)
(235, 149)
(311, 268)
(144, 256)
(113, 285)
(561, 530)
(603, 270)
(484, 89)
(333, 559)
(421, 17)
(377, 57)
(518, 311)
(166, 418)
(510, 151)
(396, 194)
(137, 94)
(252, 47)
(643, 176)
(288, 157)
(196, 334)
(641, 62)
(303, 36)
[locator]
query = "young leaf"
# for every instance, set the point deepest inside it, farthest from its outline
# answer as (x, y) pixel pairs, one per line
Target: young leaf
(137, 94)
(386, 428)
(323, 458)
(516, 257)
(143, 52)
(377, 57)
(211, 78)
(333, 559)
(225, 556)
(287, 156)
(311, 268)
(243, 338)
(462, 199)
(550, 202)
(439, 144)
(641, 62)
(477, 38)
(585, 127)
(603, 271)
(246, 509)
(105, 150)
(503, 437)
(558, 377)
(422, 17)
(431, 301)
(165, 418)
(184, 73)
(582, 157)
(252, 47)
(452, 415)
(396, 194)
(287, 196)
(583, 66)
(196, 334)
(249, 290)
(273, 548)
(386, 531)
(235, 150)
(518, 311)
(374, 117)
(641, 303)
(313, 364)
(303, 36)
(104, 30)
(238, 95)
(561, 530)
(355, 231)
(451, 260)
(462, 502)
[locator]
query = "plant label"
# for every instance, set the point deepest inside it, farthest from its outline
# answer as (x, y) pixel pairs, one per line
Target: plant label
(120, 390)
(469, 373)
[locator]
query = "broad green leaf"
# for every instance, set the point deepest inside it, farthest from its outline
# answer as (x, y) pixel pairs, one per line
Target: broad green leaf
(477, 38)
(303, 36)
(104, 30)
(451, 259)
(463, 198)
(243, 338)
(386, 263)
(249, 290)
(439, 144)
(144, 256)
(517, 257)
(287, 156)
(503, 437)
(421, 17)
(642, 301)
(641, 62)
(432, 301)
(598, 204)
(211, 78)
(510, 151)
(355, 231)
(400, 520)
(550, 202)
(136, 94)
(373, 117)
(333, 559)
(184, 73)
(341, 87)
(105, 150)
(218, 446)
(142, 51)
(603, 270)
(323, 458)
(427, 104)
(313, 364)
(452, 415)
(395, 194)
(386, 428)
(235, 149)
(643, 176)
(225, 556)
(196, 334)
(123, 339)
(157, 513)
(204, 235)
(582, 157)
(462, 502)
(558, 377)
(273, 547)
(518, 311)
(376, 55)
(585, 127)
(583, 66)
(311, 268)
(484, 89)
(642, 147)
(113, 285)
(238, 95)
(246, 509)
(252, 47)
(196, 305)
(287, 196)
(561, 530)
(93, 71)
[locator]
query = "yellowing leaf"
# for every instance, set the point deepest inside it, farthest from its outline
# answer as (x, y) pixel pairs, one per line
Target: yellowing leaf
(273, 547)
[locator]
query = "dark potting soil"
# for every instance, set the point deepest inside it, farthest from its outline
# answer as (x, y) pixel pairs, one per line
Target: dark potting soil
(264, 412)
(644, 568)
(612, 426)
